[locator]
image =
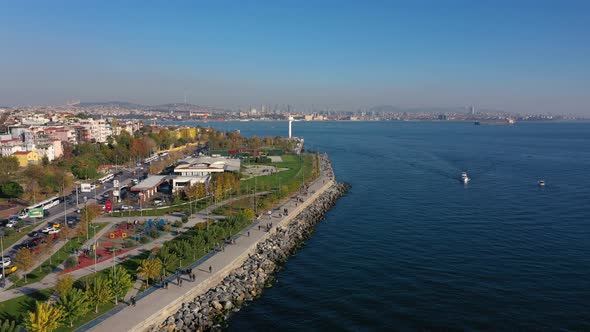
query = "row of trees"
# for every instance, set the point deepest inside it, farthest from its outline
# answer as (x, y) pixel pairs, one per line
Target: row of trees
(75, 302)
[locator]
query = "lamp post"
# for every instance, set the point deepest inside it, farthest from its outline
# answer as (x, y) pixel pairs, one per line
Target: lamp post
(2, 247)
(95, 246)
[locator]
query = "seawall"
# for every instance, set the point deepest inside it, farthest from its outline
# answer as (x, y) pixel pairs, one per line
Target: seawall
(247, 279)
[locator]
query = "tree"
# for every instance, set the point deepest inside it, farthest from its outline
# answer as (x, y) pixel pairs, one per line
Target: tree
(8, 166)
(64, 284)
(120, 282)
(45, 318)
(149, 268)
(99, 291)
(24, 259)
(8, 325)
(11, 189)
(74, 305)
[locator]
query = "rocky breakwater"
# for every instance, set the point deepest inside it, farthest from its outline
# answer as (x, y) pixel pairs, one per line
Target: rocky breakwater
(246, 282)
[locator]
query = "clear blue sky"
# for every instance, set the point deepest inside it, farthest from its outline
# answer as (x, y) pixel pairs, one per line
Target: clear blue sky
(527, 56)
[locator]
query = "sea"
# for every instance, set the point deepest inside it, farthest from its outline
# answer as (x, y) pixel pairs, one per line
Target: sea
(411, 248)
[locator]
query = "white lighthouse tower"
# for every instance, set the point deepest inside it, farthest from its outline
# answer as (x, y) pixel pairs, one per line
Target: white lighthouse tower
(290, 125)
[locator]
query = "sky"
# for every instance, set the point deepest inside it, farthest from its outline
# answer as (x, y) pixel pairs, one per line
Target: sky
(516, 56)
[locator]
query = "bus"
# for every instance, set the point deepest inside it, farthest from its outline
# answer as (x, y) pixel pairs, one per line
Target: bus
(46, 205)
(148, 160)
(106, 178)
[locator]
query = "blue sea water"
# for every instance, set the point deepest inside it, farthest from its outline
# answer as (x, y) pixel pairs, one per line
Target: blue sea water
(410, 248)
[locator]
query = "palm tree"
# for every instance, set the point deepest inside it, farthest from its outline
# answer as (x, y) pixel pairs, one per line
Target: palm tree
(45, 318)
(120, 282)
(99, 291)
(149, 268)
(74, 304)
(9, 326)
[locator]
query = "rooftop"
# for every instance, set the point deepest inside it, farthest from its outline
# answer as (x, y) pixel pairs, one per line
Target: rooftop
(150, 182)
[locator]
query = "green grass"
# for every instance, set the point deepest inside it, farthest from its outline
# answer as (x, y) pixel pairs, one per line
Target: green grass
(86, 318)
(14, 308)
(161, 211)
(299, 168)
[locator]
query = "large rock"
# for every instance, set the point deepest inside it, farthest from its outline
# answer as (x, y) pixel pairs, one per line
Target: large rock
(216, 305)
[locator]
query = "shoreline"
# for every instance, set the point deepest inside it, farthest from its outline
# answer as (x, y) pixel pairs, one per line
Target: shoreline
(248, 281)
(155, 308)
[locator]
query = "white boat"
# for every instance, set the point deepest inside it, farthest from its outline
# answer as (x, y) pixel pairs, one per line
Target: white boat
(541, 183)
(464, 177)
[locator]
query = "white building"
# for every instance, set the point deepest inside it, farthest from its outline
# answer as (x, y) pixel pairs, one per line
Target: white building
(100, 129)
(204, 166)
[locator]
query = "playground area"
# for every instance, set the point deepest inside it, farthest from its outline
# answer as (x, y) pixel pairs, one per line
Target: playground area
(119, 239)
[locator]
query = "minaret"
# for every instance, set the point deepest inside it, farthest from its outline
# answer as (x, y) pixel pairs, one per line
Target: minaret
(290, 122)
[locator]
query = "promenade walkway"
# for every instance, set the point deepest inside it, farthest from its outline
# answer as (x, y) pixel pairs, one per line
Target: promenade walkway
(155, 304)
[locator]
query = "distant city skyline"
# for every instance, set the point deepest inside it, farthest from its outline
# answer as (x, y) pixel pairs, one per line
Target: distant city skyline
(513, 56)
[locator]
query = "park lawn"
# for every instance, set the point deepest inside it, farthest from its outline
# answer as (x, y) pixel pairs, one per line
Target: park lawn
(13, 309)
(55, 260)
(86, 318)
(158, 212)
(299, 168)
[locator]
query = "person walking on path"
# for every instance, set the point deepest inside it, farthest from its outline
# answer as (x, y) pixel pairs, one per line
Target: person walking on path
(209, 268)
(166, 284)
(180, 283)
(248, 233)
(133, 301)
(178, 280)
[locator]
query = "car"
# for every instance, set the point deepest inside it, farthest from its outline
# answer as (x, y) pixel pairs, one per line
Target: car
(11, 269)
(34, 234)
(53, 231)
(13, 218)
(126, 207)
(11, 223)
(55, 224)
(6, 261)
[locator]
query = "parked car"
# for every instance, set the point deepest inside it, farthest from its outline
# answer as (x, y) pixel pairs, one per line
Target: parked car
(6, 261)
(34, 234)
(126, 207)
(53, 231)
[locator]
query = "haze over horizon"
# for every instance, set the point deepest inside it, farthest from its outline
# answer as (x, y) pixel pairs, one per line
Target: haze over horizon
(515, 56)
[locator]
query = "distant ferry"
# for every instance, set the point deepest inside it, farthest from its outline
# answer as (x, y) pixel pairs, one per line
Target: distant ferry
(541, 183)
(464, 177)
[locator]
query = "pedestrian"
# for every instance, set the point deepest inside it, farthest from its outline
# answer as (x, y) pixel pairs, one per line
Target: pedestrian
(222, 248)
(209, 268)
(258, 227)
(166, 284)
(133, 301)
(248, 233)
(180, 282)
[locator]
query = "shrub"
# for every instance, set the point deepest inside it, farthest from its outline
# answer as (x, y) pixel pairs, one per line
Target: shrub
(184, 219)
(71, 262)
(167, 228)
(153, 233)
(129, 243)
(144, 239)
(177, 224)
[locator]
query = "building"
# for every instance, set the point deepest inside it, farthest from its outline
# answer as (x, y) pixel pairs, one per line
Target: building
(205, 166)
(26, 158)
(98, 130)
(179, 183)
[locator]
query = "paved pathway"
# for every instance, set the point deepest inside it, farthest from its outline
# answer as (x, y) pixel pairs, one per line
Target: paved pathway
(50, 280)
(158, 301)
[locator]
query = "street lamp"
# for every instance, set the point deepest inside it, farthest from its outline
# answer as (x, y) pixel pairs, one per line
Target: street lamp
(95, 245)
(2, 247)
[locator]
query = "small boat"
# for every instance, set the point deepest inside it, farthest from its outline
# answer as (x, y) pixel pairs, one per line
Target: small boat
(464, 177)
(541, 183)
